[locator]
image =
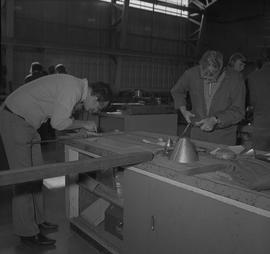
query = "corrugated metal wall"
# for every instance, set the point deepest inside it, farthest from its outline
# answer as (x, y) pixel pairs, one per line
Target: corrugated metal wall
(92, 67)
(79, 27)
(79, 23)
(149, 75)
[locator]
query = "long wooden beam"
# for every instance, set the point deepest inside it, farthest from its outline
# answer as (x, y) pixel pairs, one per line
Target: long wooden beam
(23, 175)
(101, 190)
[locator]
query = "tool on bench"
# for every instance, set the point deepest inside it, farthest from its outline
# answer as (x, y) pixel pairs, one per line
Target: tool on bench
(184, 150)
(67, 137)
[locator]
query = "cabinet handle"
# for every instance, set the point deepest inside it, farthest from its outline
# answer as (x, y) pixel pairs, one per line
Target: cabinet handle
(153, 226)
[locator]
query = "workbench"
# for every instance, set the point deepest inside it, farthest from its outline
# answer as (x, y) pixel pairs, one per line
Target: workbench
(159, 119)
(167, 207)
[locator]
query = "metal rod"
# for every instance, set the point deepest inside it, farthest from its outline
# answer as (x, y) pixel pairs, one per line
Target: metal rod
(63, 138)
(23, 175)
(186, 129)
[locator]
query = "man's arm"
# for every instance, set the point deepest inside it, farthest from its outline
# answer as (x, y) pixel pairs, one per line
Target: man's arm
(252, 95)
(61, 120)
(179, 93)
(236, 111)
(87, 125)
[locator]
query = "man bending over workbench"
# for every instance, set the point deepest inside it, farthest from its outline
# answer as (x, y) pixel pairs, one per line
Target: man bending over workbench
(23, 112)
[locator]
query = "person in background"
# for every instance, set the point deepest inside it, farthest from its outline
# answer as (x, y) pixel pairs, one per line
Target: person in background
(45, 131)
(24, 111)
(36, 71)
(60, 68)
(217, 98)
(237, 62)
(51, 69)
(259, 92)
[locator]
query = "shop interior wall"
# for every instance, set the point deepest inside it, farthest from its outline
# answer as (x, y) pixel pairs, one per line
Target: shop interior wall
(237, 26)
(80, 35)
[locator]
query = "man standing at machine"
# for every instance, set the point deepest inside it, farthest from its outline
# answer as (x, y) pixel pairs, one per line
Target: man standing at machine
(51, 96)
(217, 98)
(259, 92)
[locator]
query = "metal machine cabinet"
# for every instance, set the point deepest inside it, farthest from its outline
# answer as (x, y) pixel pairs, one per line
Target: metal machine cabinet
(158, 123)
(166, 216)
(168, 207)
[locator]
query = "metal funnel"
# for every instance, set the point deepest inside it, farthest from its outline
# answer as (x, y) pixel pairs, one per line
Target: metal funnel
(184, 151)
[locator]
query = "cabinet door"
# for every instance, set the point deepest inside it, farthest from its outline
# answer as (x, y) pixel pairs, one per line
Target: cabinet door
(195, 221)
(165, 218)
(167, 224)
(136, 213)
(152, 221)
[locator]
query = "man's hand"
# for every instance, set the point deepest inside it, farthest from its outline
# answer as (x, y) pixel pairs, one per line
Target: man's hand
(186, 114)
(207, 124)
(90, 126)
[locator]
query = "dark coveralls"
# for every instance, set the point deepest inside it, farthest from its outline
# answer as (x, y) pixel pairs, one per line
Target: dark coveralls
(259, 96)
(227, 104)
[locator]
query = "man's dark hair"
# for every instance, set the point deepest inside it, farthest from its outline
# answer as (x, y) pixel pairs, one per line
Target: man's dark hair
(60, 68)
(36, 67)
(234, 57)
(101, 90)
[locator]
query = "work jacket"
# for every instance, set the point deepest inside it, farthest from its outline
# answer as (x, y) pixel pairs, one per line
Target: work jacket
(227, 104)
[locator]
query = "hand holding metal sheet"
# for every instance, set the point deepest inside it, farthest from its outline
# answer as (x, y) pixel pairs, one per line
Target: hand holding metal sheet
(187, 114)
(90, 126)
(207, 124)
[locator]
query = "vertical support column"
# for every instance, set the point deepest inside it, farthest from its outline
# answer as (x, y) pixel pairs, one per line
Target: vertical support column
(10, 6)
(115, 21)
(10, 68)
(124, 25)
(72, 188)
(197, 18)
(123, 43)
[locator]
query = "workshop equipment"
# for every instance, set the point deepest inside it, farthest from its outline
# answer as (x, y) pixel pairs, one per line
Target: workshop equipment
(204, 197)
(184, 151)
(114, 221)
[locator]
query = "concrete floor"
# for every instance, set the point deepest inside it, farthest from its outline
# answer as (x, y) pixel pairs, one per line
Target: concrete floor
(67, 240)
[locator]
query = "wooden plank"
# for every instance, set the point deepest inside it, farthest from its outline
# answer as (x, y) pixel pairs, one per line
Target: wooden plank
(100, 190)
(72, 192)
(52, 170)
(98, 234)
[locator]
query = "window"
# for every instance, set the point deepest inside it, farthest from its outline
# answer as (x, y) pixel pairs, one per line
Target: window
(168, 7)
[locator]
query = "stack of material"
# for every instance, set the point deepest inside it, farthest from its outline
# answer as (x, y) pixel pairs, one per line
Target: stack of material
(149, 109)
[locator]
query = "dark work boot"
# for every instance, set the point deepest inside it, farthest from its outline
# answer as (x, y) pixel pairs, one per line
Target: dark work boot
(38, 239)
(47, 225)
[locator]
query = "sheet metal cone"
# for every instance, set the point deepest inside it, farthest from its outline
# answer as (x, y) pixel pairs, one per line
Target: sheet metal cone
(184, 151)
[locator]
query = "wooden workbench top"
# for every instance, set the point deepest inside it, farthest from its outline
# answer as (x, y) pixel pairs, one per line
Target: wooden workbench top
(209, 174)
